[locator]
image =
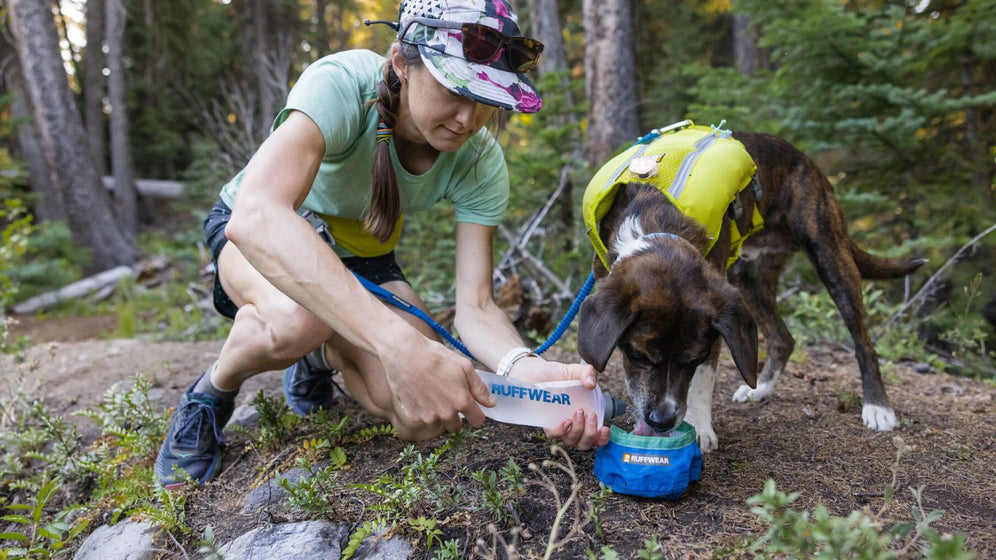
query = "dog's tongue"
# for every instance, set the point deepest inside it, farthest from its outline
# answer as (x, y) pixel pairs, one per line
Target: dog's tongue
(643, 429)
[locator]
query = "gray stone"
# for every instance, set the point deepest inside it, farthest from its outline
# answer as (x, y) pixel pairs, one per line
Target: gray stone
(271, 492)
(311, 539)
(243, 416)
(289, 541)
(127, 540)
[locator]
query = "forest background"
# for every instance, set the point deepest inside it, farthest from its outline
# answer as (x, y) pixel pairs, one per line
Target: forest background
(895, 99)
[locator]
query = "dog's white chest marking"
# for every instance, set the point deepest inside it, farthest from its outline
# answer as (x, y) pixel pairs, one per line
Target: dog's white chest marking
(630, 238)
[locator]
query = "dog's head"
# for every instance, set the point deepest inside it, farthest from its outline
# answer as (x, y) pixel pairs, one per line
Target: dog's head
(665, 308)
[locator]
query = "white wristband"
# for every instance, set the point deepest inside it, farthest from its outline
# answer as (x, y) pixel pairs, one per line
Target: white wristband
(514, 355)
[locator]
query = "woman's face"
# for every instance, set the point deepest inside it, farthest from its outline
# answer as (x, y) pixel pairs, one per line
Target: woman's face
(431, 114)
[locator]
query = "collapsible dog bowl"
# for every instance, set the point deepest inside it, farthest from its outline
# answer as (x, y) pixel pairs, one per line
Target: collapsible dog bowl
(649, 466)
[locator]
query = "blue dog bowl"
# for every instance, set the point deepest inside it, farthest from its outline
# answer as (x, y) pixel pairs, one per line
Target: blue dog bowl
(648, 466)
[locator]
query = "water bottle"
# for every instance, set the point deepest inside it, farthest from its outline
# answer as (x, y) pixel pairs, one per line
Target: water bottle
(544, 405)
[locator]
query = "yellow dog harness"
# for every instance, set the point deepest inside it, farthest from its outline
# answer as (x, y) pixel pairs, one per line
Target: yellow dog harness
(700, 169)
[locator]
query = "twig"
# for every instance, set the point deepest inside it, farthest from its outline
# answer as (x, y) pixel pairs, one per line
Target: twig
(922, 293)
(562, 288)
(178, 545)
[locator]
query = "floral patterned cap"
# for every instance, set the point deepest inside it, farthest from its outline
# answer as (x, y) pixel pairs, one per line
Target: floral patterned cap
(442, 51)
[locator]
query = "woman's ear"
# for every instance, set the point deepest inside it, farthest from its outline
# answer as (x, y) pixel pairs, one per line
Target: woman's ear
(398, 63)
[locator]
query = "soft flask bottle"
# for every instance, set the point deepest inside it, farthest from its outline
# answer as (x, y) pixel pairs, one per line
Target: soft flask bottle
(544, 405)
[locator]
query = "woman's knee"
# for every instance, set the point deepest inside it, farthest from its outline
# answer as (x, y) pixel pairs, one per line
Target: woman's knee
(290, 331)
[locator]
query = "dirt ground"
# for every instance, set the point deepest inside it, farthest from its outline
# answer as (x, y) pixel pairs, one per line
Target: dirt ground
(808, 437)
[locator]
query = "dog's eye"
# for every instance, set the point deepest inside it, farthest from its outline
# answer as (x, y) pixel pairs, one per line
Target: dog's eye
(691, 361)
(637, 356)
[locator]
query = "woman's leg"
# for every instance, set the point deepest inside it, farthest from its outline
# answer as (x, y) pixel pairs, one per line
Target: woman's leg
(364, 375)
(270, 330)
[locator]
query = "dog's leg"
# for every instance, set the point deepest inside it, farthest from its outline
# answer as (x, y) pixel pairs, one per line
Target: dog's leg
(835, 266)
(757, 277)
(699, 403)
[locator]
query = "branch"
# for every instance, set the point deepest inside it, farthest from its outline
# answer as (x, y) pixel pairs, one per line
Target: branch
(921, 295)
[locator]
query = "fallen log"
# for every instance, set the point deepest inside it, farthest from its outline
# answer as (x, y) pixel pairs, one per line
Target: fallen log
(152, 188)
(76, 289)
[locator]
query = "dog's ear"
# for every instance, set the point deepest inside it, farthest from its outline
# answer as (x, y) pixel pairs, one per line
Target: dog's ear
(738, 329)
(600, 325)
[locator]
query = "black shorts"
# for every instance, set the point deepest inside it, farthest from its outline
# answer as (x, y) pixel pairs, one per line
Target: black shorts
(378, 270)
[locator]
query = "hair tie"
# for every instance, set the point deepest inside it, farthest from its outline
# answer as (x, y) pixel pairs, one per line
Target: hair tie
(384, 133)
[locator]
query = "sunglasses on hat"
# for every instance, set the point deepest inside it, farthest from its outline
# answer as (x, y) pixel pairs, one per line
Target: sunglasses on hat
(483, 44)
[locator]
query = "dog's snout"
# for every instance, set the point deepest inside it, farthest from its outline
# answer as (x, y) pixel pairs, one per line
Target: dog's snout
(663, 417)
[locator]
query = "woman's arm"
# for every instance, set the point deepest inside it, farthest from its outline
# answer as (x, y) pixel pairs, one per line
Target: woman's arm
(430, 384)
(489, 334)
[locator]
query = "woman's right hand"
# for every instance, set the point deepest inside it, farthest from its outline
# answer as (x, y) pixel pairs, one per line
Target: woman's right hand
(431, 386)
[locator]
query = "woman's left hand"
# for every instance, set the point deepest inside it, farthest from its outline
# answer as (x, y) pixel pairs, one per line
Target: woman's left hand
(580, 429)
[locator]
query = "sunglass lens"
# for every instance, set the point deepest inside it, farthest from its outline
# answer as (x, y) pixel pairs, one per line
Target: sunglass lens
(480, 43)
(523, 53)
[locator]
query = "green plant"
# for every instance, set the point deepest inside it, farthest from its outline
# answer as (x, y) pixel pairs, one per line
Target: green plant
(500, 491)
(207, 546)
(276, 420)
(861, 535)
(417, 489)
(42, 447)
(42, 538)
(652, 549)
(450, 550)
(132, 426)
(427, 527)
(315, 494)
(365, 529)
(167, 509)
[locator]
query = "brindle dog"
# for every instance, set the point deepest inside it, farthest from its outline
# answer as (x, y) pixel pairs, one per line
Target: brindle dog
(665, 306)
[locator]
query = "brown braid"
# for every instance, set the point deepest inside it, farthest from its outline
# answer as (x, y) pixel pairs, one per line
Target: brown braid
(385, 197)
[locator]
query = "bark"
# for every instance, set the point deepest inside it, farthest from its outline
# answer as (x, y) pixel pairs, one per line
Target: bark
(546, 28)
(749, 57)
(323, 38)
(49, 205)
(267, 101)
(93, 89)
(610, 77)
(545, 17)
(125, 198)
(62, 137)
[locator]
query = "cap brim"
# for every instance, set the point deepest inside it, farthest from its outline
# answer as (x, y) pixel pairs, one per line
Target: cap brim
(482, 83)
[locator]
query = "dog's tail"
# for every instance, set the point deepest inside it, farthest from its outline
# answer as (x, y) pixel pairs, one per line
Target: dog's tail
(880, 268)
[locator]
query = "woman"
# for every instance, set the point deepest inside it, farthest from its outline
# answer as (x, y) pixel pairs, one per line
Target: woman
(361, 141)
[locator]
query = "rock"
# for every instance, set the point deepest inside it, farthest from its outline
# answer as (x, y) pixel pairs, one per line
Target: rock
(127, 540)
(289, 541)
(243, 416)
(271, 492)
(310, 539)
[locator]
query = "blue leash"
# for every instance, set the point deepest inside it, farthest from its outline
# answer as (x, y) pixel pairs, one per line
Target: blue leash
(405, 306)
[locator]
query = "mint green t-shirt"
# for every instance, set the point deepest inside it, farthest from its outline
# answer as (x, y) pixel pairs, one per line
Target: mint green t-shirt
(335, 92)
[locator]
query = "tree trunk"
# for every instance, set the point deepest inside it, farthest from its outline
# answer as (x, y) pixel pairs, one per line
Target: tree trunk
(267, 100)
(546, 28)
(125, 198)
(49, 205)
(749, 57)
(545, 18)
(63, 140)
(93, 89)
(610, 77)
(323, 38)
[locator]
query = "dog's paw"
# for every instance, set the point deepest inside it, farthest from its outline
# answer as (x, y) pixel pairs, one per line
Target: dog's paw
(704, 434)
(707, 440)
(878, 417)
(745, 393)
